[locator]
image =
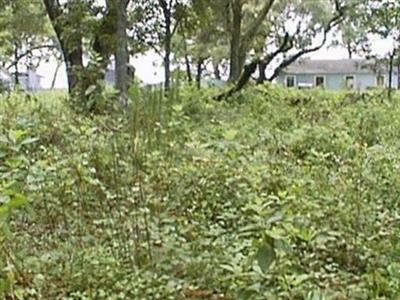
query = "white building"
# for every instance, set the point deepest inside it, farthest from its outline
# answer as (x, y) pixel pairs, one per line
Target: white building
(5, 79)
(30, 81)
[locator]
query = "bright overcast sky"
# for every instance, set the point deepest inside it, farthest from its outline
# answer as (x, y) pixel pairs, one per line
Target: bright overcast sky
(149, 67)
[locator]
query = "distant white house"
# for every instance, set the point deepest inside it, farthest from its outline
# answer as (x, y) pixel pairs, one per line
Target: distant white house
(358, 74)
(212, 82)
(110, 76)
(5, 79)
(28, 81)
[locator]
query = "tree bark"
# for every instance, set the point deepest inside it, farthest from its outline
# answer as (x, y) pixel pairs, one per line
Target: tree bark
(244, 78)
(391, 59)
(16, 75)
(251, 68)
(121, 52)
(199, 72)
(240, 43)
(262, 66)
(166, 8)
(188, 69)
(80, 77)
(74, 65)
(72, 54)
(235, 55)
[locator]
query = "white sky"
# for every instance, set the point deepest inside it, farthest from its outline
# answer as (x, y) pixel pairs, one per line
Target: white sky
(149, 67)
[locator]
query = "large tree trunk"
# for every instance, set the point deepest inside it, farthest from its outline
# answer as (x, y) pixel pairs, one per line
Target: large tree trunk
(243, 79)
(167, 62)
(72, 54)
(262, 66)
(121, 52)
(80, 77)
(74, 65)
(167, 43)
(241, 42)
(235, 48)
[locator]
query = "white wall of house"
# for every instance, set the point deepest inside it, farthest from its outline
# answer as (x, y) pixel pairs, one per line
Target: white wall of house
(34, 81)
(29, 81)
(5, 79)
(337, 81)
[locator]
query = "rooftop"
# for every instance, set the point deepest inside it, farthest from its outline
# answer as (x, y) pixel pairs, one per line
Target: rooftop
(326, 66)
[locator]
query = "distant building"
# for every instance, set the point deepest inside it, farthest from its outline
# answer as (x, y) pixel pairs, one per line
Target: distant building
(110, 76)
(358, 74)
(30, 81)
(5, 79)
(212, 82)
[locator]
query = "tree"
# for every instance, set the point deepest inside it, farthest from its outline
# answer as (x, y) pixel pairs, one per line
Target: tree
(354, 35)
(121, 51)
(156, 23)
(285, 45)
(200, 40)
(383, 19)
(23, 44)
(373, 18)
(93, 29)
(242, 37)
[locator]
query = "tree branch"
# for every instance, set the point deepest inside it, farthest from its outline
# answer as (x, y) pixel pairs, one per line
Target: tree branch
(285, 46)
(331, 24)
(250, 68)
(28, 52)
(251, 31)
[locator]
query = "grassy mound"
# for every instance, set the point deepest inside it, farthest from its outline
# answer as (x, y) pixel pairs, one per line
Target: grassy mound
(275, 194)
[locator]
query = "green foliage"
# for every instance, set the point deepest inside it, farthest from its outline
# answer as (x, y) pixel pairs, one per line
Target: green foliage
(277, 194)
(19, 39)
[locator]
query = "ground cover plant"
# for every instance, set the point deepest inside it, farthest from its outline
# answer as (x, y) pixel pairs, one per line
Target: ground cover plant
(274, 194)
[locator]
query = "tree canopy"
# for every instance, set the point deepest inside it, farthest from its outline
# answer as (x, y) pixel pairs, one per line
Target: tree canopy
(227, 39)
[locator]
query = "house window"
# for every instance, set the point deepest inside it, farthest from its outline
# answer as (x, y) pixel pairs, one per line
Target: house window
(320, 81)
(380, 80)
(290, 81)
(349, 81)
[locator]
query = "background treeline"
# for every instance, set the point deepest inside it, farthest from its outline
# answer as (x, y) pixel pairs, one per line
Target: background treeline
(229, 39)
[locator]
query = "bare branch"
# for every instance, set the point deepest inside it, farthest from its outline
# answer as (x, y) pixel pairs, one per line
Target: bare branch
(29, 52)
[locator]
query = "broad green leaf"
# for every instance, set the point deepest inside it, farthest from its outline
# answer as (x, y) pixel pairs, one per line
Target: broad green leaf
(90, 90)
(265, 256)
(177, 107)
(230, 134)
(29, 140)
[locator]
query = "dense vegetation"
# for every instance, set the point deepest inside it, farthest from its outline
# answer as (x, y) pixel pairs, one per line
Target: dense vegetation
(274, 194)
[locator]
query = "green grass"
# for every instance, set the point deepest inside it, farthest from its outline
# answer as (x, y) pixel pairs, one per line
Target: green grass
(275, 194)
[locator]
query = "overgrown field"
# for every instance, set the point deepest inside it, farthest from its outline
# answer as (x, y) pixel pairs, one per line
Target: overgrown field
(272, 195)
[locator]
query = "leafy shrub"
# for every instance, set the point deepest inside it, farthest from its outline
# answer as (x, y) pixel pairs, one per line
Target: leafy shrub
(277, 194)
